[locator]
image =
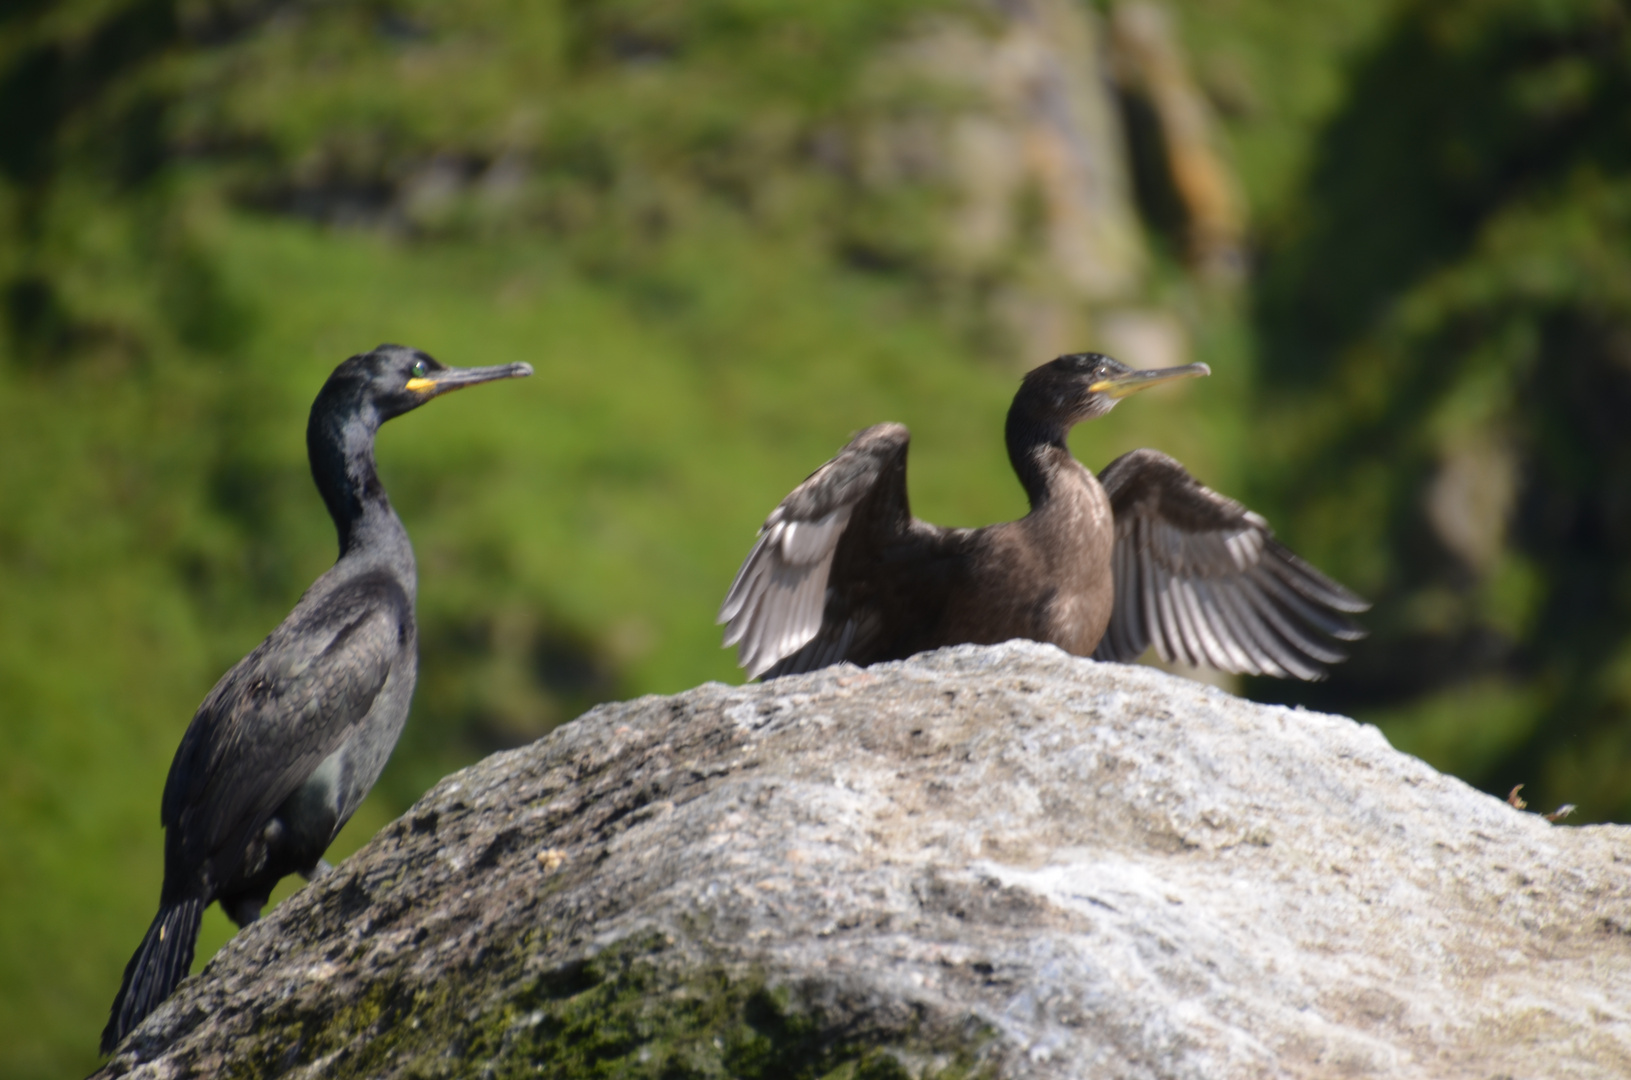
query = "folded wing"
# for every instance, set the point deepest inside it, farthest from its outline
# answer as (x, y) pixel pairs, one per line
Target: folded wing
(1204, 579)
(275, 716)
(777, 605)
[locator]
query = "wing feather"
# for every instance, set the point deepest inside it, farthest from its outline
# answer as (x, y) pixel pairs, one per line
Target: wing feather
(1127, 613)
(1247, 629)
(1204, 619)
(781, 600)
(1235, 653)
(1204, 580)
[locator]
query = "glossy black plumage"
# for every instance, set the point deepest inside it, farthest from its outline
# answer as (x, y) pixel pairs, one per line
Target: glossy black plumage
(1100, 566)
(286, 745)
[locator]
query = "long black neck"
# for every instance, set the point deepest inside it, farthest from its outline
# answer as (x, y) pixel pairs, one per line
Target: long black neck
(340, 443)
(1036, 445)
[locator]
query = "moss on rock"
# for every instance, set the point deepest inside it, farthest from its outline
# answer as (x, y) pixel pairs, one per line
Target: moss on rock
(639, 1009)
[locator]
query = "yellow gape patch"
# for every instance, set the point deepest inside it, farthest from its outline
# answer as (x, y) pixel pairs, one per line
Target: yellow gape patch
(417, 385)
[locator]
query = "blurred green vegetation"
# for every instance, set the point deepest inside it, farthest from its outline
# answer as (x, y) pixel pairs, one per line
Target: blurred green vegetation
(1444, 316)
(207, 204)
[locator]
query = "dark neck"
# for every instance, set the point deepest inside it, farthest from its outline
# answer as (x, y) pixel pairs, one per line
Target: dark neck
(341, 447)
(1036, 448)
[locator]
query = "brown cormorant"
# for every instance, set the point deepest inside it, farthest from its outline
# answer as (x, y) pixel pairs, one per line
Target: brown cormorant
(1101, 567)
(290, 740)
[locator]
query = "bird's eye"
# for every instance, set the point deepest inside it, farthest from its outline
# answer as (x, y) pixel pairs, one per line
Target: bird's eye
(418, 370)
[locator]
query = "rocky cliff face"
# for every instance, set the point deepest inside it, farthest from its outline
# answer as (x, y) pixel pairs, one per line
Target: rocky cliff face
(982, 862)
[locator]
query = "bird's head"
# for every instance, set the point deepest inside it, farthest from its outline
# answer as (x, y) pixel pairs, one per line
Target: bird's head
(393, 379)
(1082, 386)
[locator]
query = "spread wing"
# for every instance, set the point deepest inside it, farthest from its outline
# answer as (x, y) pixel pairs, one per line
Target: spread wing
(278, 713)
(779, 601)
(1204, 579)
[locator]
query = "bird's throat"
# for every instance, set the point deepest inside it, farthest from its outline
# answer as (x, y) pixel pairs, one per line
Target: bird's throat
(1038, 454)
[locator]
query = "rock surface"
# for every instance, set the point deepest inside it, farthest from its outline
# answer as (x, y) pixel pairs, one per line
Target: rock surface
(982, 862)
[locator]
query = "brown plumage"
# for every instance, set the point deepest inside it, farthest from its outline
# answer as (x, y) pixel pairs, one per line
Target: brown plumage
(1101, 567)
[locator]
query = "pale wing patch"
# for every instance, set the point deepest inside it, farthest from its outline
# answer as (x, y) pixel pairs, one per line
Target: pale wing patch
(775, 605)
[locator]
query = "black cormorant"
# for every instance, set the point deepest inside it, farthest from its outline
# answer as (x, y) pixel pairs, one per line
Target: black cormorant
(1100, 567)
(290, 740)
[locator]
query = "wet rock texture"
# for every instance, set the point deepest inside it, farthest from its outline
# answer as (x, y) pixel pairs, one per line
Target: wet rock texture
(985, 861)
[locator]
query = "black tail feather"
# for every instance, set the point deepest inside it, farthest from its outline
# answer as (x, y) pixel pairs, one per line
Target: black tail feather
(161, 962)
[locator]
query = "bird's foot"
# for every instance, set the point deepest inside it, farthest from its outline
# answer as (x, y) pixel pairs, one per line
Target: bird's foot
(317, 870)
(242, 911)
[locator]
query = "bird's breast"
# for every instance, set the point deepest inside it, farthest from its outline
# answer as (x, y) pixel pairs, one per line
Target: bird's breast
(1056, 567)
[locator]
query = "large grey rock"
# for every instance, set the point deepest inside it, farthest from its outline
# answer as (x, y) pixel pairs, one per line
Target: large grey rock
(985, 861)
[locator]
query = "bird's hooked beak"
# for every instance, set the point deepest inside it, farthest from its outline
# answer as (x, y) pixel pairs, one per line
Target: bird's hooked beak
(1119, 386)
(445, 379)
